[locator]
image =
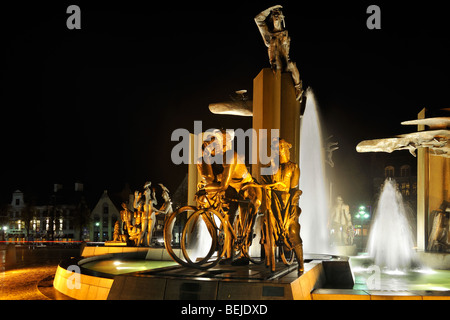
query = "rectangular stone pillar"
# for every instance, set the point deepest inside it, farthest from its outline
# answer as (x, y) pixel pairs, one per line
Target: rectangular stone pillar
(422, 190)
(275, 107)
(193, 176)
(433, 184)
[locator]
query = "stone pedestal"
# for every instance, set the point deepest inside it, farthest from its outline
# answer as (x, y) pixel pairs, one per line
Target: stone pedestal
(275, 107)
(433, 184)
(346, 250)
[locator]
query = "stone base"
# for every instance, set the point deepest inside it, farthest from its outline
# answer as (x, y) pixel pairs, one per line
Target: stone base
(115, 244)
(87, 251)
(349, 294)
(434, 260)
(346, 250)
(252, 282)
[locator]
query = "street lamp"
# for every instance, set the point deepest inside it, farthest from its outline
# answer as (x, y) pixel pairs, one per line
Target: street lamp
(362, 217)
(362, 213)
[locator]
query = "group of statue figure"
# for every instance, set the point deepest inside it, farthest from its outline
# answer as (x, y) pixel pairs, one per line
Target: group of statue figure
(137, 225)
(233, 180)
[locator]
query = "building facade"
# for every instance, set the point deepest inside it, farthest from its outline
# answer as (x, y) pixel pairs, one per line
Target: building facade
(52, 221)
(103, 217)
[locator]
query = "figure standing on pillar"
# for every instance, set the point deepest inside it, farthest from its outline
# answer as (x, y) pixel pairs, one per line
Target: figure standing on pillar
(271, 24)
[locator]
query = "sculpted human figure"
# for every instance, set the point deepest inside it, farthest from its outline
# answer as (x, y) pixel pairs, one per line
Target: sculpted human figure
(341, 222)
(271, 25)
(126, 216)
(138, 210)
(166, 208)
(283, 199)
(148, 218)
(231, 180)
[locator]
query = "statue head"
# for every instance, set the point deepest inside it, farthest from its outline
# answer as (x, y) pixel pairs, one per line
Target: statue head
(277, 18)
(220, 140)
(284, 150)
(165, 193)
(339, 200)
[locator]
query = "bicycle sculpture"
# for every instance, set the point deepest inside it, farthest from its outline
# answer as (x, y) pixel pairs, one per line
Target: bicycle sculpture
(228, 202)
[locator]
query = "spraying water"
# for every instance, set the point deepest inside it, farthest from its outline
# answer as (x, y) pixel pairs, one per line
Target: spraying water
(314, 200)
(391, 240)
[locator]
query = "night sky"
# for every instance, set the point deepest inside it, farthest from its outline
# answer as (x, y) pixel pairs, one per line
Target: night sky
(98, 105)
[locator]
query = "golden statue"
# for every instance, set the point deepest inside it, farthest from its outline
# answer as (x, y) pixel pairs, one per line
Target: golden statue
(271, 25)
(282, 202)
(231, 178)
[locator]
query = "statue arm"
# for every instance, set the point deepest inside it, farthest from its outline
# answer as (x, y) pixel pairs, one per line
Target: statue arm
(295, 177)
(261, 17)
(137, 197)
(260, 21)
(348, 215)
(206, 172)
(226, 175)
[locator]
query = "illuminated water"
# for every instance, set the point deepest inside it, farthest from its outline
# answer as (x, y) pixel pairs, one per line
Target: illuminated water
(314, 200)
(125, 266)
(390, 239)
(412, 279)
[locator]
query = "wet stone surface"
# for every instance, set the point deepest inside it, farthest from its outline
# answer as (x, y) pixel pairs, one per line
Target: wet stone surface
(32, 273)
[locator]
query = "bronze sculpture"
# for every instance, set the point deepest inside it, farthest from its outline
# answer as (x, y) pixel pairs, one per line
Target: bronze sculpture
(283, 202)
(340, 223)
(136, 228)
(231, 177)
(271, 25)
(226, 186)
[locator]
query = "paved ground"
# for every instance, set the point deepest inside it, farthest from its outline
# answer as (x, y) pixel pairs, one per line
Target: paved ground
(22, 284)
(32, 274)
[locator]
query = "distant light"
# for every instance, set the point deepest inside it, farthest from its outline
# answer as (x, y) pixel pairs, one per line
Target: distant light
(357, 215)
(5, 228)
(362, 208)
(97, 224)
(117, 263)
(366, 215)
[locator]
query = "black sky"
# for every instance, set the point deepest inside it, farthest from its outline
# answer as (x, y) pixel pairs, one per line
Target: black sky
(99, 104)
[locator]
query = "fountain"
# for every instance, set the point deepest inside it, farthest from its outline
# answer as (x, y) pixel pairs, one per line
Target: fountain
(391, 240)
(314, 201)
(137, 273)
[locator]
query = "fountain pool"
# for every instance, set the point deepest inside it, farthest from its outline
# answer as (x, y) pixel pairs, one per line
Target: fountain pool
(117, 266)
(420, 279)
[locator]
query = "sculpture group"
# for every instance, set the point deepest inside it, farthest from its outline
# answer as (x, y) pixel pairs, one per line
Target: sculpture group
(138, 223)
(229, 200)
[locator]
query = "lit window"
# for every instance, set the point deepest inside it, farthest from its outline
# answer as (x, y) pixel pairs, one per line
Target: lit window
(405, 189)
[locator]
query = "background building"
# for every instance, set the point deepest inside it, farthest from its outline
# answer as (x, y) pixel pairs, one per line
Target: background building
(104, 216)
